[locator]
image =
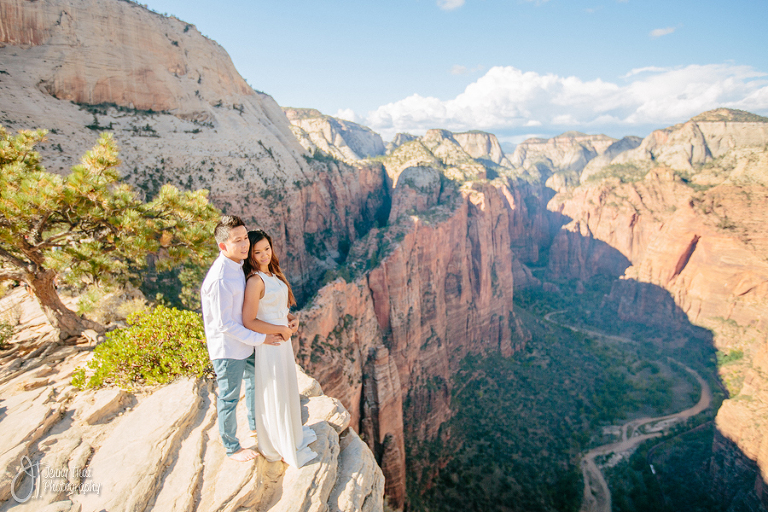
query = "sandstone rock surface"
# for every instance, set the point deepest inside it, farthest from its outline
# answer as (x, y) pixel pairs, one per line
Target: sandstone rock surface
(722, 145)
(566, 153)
(431, 287)
(162, 450)
(180, 114)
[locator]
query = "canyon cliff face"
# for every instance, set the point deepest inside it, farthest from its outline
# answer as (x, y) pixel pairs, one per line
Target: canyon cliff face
(419, 250)
(688, 240)
(419, 295)
(719, 146)
(482, 145)
(126, 55)
(440, 267)
(180, 114)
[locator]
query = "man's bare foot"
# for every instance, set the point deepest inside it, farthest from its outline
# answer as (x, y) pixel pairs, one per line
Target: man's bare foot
(244, 455)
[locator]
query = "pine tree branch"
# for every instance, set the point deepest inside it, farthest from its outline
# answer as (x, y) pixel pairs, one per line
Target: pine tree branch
(13, 260)
(54, 241)
(40, 226)
(15, 275)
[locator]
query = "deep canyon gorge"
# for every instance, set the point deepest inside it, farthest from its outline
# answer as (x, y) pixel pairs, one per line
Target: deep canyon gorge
(410, 259)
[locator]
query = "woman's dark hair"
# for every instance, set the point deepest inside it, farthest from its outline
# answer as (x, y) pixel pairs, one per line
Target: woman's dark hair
(249, 265)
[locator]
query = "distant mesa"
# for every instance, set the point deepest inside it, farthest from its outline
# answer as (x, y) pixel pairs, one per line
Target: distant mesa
(399, 140)
(728, 115)
(339, 138)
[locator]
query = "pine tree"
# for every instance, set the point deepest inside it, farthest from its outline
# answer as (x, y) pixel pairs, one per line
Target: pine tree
(89, 226)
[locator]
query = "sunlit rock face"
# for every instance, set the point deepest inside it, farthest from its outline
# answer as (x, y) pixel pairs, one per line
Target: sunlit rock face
(338, 138)
(180, 114)
(682, 220)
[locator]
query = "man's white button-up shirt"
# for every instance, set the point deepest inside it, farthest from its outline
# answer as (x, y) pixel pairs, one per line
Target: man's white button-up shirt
(222, 296)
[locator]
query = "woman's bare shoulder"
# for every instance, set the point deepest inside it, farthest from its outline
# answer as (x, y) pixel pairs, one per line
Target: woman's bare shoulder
(254, 285)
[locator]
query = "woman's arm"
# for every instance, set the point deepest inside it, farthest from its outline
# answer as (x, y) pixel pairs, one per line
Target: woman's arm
(254, 291)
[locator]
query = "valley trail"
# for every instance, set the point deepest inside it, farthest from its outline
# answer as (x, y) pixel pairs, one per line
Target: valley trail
(597, 496)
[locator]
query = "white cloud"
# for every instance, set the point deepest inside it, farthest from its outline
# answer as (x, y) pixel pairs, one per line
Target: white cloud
(449, 5)
(347, 114)
(506, 98)
(658, 32)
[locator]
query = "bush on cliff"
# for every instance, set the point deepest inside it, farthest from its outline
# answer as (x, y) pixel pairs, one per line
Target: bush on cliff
(159, 345)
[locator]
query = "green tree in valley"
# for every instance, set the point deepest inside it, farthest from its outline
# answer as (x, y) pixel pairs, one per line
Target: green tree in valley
(89, 227)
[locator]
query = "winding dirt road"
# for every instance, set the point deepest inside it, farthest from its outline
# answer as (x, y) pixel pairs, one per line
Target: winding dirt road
(597, 496)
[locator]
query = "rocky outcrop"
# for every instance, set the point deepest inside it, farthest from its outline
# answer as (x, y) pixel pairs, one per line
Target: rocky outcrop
(180, 114)
(719, 146)
(481, 145)
(432, 283)
(566, 155)
(338, 138)
(125, 55)
(159, 449)
(399, 140)
(597, 163)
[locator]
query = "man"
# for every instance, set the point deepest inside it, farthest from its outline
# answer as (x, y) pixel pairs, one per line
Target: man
(230, 345)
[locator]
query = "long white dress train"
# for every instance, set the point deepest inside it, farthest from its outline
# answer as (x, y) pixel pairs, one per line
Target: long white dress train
(278, 410)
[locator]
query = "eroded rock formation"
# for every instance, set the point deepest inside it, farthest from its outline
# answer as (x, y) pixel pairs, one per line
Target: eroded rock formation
(157, 448)
(689, 242)
(338, 138)
(420, 295)
(181, 114)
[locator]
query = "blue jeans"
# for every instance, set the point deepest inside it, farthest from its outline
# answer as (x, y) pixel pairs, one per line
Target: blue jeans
(229, 374)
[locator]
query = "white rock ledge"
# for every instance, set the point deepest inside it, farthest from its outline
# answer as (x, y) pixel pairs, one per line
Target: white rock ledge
(161, 451)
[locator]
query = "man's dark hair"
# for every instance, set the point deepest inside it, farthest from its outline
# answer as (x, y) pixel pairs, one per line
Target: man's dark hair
(226, 224)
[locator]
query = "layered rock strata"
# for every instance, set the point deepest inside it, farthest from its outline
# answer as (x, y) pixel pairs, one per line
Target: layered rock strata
(481, 145)
(558, 161)
(399, 140)
(420, 295)
(688, 241)
(722, 145)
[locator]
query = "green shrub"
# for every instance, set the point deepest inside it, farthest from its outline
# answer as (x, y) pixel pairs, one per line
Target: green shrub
(626, 173)
(731, 357)
(5, 287)
(158, 346)
(6, 331)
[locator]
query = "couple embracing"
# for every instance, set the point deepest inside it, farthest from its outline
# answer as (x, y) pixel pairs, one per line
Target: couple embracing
(248, 326)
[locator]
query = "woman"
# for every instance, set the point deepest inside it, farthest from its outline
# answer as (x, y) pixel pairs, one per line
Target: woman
(268, 297)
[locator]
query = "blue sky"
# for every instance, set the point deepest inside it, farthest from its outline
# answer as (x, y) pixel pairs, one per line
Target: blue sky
(513, 67)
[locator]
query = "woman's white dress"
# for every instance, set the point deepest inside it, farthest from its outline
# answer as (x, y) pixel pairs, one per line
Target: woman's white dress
(278, 410)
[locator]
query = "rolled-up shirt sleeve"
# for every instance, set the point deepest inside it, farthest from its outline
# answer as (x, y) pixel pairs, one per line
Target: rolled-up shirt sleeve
(221, 301)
